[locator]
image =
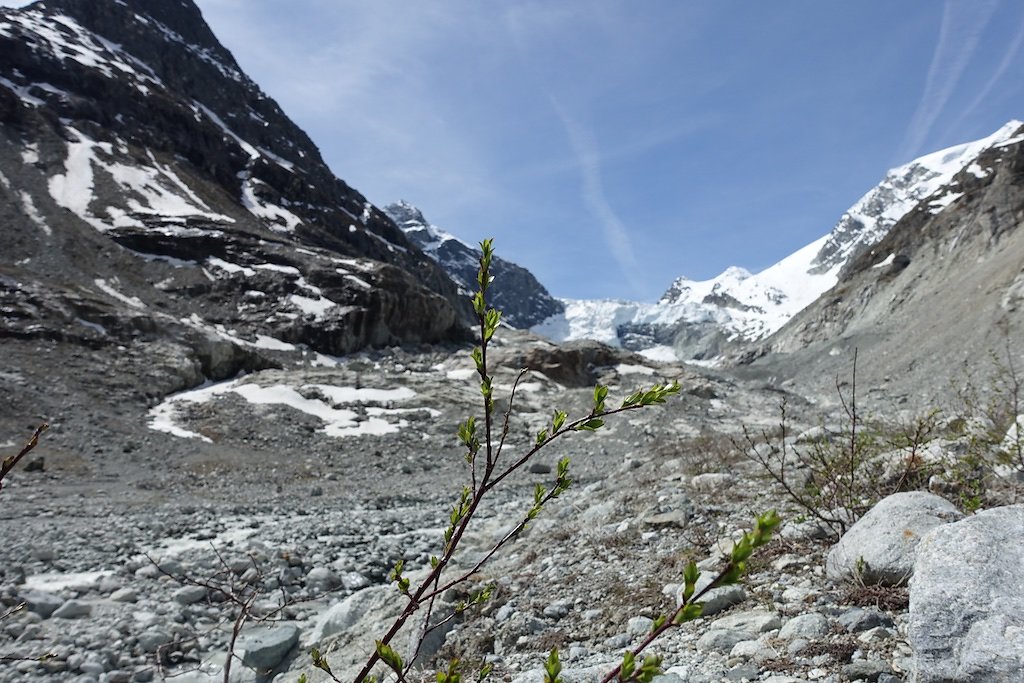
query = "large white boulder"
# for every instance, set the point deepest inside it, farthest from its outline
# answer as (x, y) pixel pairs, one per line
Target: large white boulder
(880, 546)
(967, 600)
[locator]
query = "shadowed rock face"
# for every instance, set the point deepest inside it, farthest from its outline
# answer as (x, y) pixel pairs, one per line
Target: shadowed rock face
(153, 199)
(523, 300)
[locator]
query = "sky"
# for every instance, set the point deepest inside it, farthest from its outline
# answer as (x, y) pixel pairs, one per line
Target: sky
(611, 146)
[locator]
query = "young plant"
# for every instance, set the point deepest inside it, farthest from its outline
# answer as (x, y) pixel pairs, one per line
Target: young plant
(489, 464)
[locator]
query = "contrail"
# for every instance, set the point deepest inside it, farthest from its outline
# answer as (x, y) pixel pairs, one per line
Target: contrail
(616, 236)
(1004, 64)
(952, 54)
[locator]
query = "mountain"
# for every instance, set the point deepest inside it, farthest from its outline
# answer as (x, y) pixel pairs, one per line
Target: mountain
(702, 319)
(523, 300)
(932, 302)
(161, 212)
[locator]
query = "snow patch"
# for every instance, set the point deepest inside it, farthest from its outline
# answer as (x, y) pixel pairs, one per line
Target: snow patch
(337, 422)
(30, 210)
(132, 301)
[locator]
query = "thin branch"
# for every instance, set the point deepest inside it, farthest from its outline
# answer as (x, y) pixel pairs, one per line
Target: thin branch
(10, 462)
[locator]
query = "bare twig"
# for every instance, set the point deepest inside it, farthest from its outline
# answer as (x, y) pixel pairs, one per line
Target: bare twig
(10, 462)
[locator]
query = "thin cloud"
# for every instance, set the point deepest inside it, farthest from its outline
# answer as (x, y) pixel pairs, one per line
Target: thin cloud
(997, 75)
(616, 235)
(958, 37)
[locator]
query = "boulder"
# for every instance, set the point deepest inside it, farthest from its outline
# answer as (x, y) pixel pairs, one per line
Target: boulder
(880, 547)
(72, 609)
(810, 625)
(265, 646)
(41, 603)
(966, 619)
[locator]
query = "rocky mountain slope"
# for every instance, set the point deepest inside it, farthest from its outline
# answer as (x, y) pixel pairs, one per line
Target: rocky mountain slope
(523, 300)
(700, 320)
(929, 303)
(161, 212)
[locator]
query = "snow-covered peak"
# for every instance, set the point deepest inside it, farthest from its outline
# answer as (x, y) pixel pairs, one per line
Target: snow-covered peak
(751, 307)
(874, 214)
(523, 300)
(428, 237)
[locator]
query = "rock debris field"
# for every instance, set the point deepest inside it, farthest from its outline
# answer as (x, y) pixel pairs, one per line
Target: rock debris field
(290, 494)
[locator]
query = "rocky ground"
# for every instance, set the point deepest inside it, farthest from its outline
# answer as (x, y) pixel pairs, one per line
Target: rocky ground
(135, 550)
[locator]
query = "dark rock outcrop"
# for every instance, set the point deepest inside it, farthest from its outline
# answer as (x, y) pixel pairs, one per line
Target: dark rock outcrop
(164, 219)
(523, 300)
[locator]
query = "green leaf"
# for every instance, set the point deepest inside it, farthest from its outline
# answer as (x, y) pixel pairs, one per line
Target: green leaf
(558, 421)
(659, 621)
(600, 394)
(690, 576)
(552, 667)
(688, 613)
(591, 425)
(628, 665)
(632, 399)
(649, 669)
(319, 661)
(389, 657)
(538, 493)
(542, 436)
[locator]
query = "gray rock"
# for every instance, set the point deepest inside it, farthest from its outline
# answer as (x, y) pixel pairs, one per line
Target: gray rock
(857, 619)
(721, 640)
(966, 619)
(710, 482)
(354, 581)
(322, 578)
(742, 672)
(188, 595)
(124, 595)
(667, 678)
(265, 646)
(866, 670)
(618, 641)
(753, 621)
(153, 639)
(807, 530)
(723, 634)
(753, 649)
(43, 604)
(639, 626)
(556, 610)
(44, 554)
(880, 547)
(810, 625)
(72, 609)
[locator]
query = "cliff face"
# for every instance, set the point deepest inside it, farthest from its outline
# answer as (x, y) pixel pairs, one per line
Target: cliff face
(134, 150)
(164, 222)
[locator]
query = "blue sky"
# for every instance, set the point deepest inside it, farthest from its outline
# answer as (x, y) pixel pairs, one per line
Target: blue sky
(611, 146)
